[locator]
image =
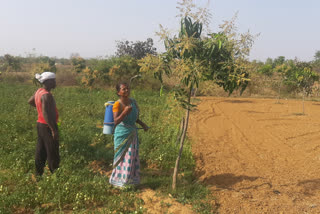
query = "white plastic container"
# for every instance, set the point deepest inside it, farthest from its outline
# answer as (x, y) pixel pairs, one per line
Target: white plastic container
(107, 129)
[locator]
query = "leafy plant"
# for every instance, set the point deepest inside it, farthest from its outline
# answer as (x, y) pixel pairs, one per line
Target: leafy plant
(193, 58)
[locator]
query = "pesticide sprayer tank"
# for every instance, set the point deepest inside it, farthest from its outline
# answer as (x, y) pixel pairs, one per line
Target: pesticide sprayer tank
(108, 122)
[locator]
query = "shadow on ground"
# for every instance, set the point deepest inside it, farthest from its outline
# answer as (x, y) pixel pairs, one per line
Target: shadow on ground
(310, 186)
(237, 101)
(227, 180)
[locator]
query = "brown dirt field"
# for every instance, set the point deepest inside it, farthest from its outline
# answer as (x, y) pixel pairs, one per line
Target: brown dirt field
(258, 156)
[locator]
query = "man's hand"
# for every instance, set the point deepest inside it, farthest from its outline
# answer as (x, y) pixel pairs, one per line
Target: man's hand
(55, 134)
(31, 101)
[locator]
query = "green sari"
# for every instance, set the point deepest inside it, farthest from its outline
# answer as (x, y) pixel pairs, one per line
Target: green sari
(126, 161)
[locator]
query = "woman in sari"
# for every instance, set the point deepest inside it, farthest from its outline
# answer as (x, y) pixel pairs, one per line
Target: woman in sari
(126, 163)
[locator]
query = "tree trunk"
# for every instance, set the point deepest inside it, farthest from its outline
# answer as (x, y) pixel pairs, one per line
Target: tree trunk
(194, 92)
(279, 92)
(175, 171)
(303, 101)
(180, 131)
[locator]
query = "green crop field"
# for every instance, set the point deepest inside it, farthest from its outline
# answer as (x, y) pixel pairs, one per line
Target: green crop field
(80, 184)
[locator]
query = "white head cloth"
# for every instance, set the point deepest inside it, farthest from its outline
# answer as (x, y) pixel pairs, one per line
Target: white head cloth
(45, 76)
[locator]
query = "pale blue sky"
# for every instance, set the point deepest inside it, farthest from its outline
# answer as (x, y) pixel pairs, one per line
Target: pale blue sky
(58, 28)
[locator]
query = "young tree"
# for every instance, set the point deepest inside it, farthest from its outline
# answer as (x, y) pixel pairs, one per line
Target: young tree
(194, 58)
(299, 76)
(305, 78)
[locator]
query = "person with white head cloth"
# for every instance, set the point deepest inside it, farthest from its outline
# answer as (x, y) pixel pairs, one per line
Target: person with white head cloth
(48, 136)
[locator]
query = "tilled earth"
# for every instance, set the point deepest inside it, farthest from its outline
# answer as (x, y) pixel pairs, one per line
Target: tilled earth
(258, 156)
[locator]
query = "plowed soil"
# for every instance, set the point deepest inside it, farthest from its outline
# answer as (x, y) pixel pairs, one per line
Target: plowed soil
(258, 156)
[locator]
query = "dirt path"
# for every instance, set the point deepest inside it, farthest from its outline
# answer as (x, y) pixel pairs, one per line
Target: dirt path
(258, 156)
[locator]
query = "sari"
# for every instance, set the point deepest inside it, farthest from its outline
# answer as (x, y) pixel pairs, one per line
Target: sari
(126, 163)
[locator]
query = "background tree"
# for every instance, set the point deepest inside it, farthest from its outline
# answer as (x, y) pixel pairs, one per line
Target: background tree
(89, 76)
(317, 56)
(10, 63)
(78, 64)
(51, 62)
(137, 50)
(123, 68)
(316, 62)
(279, 61)
(39, 68)
(269, 61)
(266, 70)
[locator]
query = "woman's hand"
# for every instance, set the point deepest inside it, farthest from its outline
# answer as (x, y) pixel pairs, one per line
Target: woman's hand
(127, 110)
(119, 116)
(145, 127)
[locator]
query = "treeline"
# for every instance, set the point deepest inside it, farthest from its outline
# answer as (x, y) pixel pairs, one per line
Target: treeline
(274, 77)
(285, 76)
(76, 70)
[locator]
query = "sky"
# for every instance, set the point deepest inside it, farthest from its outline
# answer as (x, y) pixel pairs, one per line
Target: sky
(59, 28)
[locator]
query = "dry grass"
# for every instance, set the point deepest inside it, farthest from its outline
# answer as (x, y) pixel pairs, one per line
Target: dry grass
(67, 77)
(16, 77)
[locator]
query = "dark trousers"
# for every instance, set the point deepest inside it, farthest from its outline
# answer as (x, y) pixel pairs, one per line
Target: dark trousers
(47, 149)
